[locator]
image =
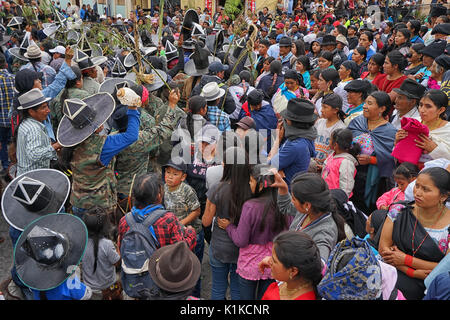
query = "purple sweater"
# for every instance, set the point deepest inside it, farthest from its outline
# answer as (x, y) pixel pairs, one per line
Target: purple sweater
(247, 232)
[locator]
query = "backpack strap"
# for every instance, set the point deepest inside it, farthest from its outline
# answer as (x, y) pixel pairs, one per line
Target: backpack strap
(153, 217)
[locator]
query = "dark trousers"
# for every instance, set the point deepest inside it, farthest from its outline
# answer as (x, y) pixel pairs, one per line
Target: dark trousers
(5, 137)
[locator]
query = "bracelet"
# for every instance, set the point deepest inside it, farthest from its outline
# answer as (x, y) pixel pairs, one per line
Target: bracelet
(408, 260)
(410, 272)
(373, 160)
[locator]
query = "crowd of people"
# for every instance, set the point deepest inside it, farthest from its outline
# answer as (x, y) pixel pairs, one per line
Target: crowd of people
(306, 148)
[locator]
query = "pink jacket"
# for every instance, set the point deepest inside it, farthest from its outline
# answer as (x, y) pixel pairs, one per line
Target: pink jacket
(339, 172)
(406, 150)
(393, 195)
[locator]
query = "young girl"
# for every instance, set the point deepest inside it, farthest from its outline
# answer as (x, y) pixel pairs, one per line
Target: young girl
(98, 265)
(260, 222)
(339, 169)
(303, 65)
(405, 174)
(332, 119)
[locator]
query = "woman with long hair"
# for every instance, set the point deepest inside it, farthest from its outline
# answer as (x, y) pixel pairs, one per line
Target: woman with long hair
(415, 60)
(328, 81)
(359, 57)
(393, 76)
(415, 236)
(260, 222)
(374, 67)
(225, 200)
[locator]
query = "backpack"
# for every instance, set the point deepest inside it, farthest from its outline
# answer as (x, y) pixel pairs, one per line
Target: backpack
(136, 248)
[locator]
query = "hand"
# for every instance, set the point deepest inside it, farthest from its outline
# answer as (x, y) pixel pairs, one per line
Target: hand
(264, 263)
(421, 273)
(57, 146)
(174, 97)
(223, 223)
(419, 76)
(426, 143)
(280, 130)
(279, 182)
(401, 134)
(394, 256)
(69, 55)
(363, 159)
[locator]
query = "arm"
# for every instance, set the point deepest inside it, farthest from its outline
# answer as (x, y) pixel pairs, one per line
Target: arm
(116, 143)
(170, 231)
(346, 172)
(37, 151)
(240, 234)
(65, 73)
(191, 217)
(193, 206)
(208, 215)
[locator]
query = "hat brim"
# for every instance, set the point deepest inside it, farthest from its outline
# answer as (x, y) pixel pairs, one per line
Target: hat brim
(187, 284)
(35, 103)
(109, 85)
(404, 93)
(16, 53)
(40, 277)
(218, 95)
(286, 114)
(17, 215)
(191, 70)
(103, 103)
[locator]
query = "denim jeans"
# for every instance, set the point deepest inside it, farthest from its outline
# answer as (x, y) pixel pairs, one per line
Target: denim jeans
(78, 212)
(199, 250)
(5, 136)
(220, 272)
(253, 289)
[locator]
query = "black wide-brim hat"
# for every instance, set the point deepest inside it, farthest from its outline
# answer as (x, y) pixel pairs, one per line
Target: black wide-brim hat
(17, 215)
(103, 104)
(15, 52)
(191, 70)
(411, 89)
(434, 49)
(43, 277)
(299, 110)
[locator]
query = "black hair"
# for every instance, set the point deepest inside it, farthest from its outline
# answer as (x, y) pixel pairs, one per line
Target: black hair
(406, 33)
(297, 76)
(362, 51)
(353, 67)
(70, 84)
(417, 47)
(145, 190)
(396, 58)
(195, 103)
(300, 47)
(236, 173)
(440, 178)
(383, 100)
(378, 58)
(368, 34)
(332, 75)
(304, 60)
(265, 42)
(415, 25)
(262, 174)
(439, 98)
(297, 249)
(328, 55)
(310, 187)
(342, 30)
(408, 170)
(344, 139)
(98, 226)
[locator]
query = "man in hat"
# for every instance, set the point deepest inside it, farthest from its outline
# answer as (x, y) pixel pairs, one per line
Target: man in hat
(58, 57)
(34, 55)
(90, 83)
(407, 102)
(285, 45)
(329, 43)
(295, 153)
(436, 11)
(34, 147)
(212, 93)
(274, 49)
(441, 31)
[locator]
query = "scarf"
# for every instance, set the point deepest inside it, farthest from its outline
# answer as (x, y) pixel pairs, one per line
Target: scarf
(286, 92)
(292, 133)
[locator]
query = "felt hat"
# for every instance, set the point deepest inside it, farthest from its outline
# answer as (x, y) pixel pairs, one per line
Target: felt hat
(438, 10)
(434, 49)
(174, 268)
(82, 117)
(443, 28)
(328, 39)
(49, 250)
(246, 123)
(83, 60)
(199, 61)
(357, 86)
(214, 42)
(111, 85)
(33, 52)
(171, 51)
(212, 92)
(285, 42)
(118, 69)
(20, 51)
(31, 99)
(411, 89)
(444, 61)
(188, 44)
(34, 194)
(299, 110)
(190, 17)
(342, 39)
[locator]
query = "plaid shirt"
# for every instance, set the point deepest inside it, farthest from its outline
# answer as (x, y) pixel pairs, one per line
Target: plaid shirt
(49, 72)
(218, 118)
(6, 96)
(168, 230)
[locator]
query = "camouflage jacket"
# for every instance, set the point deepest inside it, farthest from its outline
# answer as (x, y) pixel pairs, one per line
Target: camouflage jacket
(133, 161)
(56, 112)
(93, 184)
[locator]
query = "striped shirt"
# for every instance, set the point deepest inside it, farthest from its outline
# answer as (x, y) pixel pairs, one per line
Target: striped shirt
(34, 149)
(49, 72)
(6, 96)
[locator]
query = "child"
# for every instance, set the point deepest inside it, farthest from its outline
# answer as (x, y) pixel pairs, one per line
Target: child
(181, 199)
(98, 265)
(332, 119)
(405, 174)
(339, 169)
(374, 225)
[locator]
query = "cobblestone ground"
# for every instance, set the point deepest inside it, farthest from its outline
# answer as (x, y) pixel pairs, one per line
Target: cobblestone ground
(6, 260)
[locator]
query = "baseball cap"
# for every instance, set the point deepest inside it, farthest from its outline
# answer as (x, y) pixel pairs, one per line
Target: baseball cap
(178, 166)
(279, 26)
(217, 66)
(58, 49)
